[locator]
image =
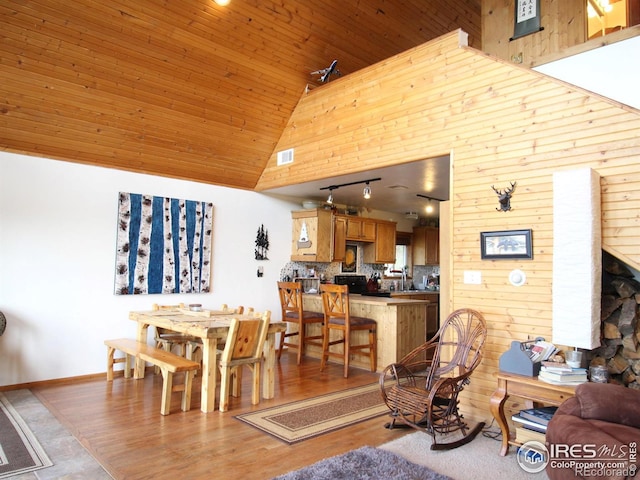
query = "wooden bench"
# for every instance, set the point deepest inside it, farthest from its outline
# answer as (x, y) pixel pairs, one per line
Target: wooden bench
(168, 363)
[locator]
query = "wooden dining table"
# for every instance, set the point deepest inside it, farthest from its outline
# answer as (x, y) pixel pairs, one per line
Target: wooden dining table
(210, 326)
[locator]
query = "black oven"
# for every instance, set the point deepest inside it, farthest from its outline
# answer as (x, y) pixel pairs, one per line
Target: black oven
(356, 283)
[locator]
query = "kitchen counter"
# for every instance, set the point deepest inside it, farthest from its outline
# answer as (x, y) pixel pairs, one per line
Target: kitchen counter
(398, 293)
(402, 325)
(393, 300)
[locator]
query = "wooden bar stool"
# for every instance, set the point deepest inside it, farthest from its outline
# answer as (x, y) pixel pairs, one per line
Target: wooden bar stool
(292, 312)
(335, 302)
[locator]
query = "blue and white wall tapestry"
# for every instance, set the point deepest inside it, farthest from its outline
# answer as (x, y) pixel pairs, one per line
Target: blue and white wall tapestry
(163, 245)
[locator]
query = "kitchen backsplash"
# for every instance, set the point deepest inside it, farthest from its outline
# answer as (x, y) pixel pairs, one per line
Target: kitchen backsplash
(329, 270)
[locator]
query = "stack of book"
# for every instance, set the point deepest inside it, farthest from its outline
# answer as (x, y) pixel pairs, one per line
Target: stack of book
(541, 351)
(562, 374)
(532, 423)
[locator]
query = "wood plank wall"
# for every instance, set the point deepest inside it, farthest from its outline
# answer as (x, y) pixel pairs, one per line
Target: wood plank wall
(502, 123)
(564, 23)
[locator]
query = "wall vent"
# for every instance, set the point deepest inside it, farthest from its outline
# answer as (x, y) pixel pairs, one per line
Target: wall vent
(285, 157)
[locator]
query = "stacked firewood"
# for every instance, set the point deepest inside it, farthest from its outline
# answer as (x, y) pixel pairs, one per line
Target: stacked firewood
(620, 335)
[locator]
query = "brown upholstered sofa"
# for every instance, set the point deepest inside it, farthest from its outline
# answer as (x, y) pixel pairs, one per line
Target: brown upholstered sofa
(600, 424)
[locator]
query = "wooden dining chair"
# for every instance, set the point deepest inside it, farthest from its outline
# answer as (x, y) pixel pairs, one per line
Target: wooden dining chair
(243, 347)
(292, 312)
(167, 339)
(337, 317)
(194, 345)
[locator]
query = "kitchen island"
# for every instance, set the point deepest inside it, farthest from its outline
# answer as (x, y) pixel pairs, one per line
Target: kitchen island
(433, 308)
(402, 325)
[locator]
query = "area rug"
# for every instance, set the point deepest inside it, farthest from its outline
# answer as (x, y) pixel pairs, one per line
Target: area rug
(366, 463)
(479, 459)
(297, 421)
(20, 451)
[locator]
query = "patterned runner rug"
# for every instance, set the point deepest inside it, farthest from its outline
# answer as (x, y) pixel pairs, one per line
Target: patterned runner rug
(20, 451)
(297, 421)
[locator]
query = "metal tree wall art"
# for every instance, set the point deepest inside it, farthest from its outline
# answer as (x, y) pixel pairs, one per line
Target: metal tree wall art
(262, 244)
(504, 197)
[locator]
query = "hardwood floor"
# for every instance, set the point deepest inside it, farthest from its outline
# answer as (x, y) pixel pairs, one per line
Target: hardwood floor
(120, 424)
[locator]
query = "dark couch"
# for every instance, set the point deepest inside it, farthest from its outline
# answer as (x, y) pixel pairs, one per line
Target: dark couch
(602, 422)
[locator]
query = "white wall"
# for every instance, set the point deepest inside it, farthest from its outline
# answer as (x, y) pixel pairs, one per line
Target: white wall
(612, 71)
(57, 256)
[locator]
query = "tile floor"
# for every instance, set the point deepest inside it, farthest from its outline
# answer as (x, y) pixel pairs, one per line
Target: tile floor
(71, 461)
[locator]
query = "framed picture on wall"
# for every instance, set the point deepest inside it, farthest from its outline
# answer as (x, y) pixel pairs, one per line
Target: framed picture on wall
(350, 264)
(163, 245)
(506, 244)
(526, 18)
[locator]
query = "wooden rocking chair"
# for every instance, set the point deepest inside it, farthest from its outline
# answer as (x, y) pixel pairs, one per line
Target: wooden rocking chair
(421, 390)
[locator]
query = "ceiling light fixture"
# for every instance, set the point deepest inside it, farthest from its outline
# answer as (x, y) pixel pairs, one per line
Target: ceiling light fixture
(599, 8)
(367, 191)
(330, 197)
(429, 207)
(222, 3)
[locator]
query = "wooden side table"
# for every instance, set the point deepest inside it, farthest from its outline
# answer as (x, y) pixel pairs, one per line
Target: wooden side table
(529, 388)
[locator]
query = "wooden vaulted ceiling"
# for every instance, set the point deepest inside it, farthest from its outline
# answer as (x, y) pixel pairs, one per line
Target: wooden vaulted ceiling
(188, 89)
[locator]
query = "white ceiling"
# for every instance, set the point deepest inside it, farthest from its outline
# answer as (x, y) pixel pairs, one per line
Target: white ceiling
(395, 192)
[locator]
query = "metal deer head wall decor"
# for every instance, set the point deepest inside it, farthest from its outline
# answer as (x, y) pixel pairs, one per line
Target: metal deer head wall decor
(504, 197)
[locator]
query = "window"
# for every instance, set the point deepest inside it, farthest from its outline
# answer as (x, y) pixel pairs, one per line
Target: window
(403, 256)
(394, 269)
(606, 16)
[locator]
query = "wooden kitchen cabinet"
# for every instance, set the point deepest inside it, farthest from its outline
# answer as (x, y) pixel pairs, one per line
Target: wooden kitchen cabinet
(321, 236)
(339, 238)
(426, 246)
(312, 238)
(383, 249)
(361, 229)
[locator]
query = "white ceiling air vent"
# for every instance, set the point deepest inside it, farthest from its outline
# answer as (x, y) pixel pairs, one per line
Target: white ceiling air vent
(411, 215)
(285, 157)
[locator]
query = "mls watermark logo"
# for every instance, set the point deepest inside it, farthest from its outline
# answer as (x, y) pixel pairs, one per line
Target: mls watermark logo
(583, 460)
(533, 456)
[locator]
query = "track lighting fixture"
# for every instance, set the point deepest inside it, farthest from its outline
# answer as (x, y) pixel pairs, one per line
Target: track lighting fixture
(330, 197)
(429, 207)
(367, 191)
